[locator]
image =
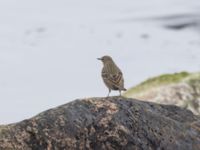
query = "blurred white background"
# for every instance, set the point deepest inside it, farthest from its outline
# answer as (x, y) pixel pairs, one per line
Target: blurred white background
(48, 48)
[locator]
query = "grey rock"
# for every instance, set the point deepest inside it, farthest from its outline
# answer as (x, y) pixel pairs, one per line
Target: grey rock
(105, 124)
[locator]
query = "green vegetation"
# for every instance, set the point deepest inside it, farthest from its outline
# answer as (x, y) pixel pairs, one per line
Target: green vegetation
(160, 80)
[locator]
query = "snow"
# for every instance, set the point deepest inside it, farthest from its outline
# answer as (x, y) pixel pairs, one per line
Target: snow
(48, 48)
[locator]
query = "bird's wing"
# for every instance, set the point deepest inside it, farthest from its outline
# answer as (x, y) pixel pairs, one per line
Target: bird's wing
(115, 79)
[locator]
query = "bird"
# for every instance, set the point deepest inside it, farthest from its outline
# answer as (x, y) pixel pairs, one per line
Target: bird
(112, 75)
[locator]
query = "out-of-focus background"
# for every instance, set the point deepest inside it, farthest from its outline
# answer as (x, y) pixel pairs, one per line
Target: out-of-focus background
(48, 48)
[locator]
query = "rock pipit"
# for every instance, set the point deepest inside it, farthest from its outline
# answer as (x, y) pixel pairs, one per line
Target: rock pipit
(112, 75)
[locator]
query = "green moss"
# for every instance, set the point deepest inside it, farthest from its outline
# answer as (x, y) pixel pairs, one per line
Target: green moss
(157, 81)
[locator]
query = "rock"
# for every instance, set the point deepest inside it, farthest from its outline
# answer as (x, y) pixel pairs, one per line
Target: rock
(105, 124)
(180, 89)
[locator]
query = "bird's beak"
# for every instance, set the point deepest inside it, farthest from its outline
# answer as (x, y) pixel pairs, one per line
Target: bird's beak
(99, 58)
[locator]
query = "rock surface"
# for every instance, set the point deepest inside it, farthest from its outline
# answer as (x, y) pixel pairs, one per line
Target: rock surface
(105, 124)
(180, 89)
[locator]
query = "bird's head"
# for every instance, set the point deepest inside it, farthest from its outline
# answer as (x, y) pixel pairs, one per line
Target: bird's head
(105, 59)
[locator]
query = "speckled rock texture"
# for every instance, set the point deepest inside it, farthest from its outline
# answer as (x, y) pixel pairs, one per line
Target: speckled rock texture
(113, 123)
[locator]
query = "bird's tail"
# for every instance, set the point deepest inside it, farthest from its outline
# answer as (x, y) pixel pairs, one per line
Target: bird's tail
(124, 89)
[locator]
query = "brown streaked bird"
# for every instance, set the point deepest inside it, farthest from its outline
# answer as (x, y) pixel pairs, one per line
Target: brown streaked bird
(112, 75)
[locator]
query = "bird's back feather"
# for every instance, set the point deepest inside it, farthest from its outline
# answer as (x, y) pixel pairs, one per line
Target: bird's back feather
(113, 76)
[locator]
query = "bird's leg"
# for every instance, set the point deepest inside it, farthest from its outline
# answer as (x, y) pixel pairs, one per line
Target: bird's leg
(109, 90)
(120, 93)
